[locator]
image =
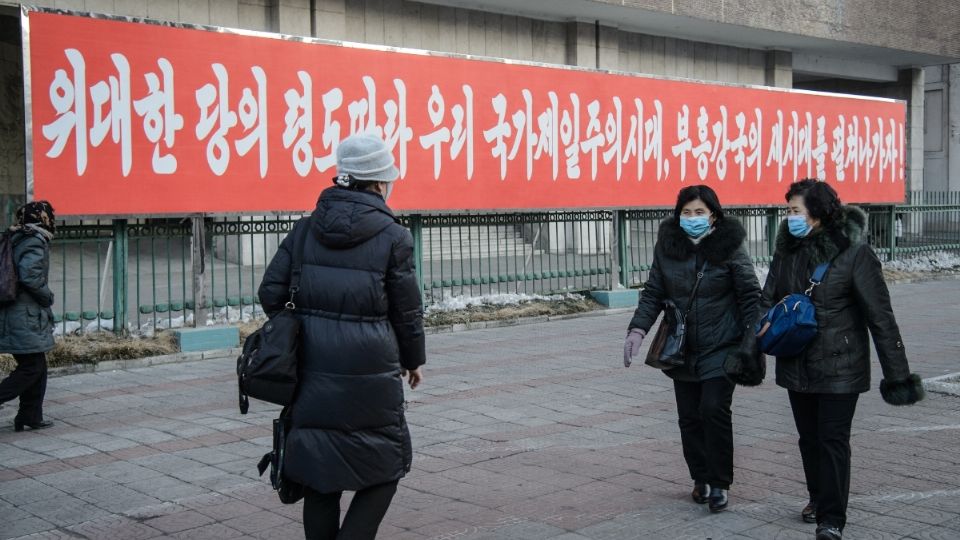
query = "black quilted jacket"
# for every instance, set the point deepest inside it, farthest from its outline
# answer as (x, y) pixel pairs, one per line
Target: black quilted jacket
(362, 321)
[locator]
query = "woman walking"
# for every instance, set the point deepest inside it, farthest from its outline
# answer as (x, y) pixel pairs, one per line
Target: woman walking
(362, 332)
(26, 324)
(825, 380)
(700, 241)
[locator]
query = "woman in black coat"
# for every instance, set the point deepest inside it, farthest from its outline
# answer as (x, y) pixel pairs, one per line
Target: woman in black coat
(825, 380)
(700, 238)
(362, 315)
(26, 323)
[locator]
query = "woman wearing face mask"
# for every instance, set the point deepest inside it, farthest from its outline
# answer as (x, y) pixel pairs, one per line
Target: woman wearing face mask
(826, 379)
(700, 238)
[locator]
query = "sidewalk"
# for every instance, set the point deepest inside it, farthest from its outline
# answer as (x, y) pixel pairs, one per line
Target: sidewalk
(523, 432)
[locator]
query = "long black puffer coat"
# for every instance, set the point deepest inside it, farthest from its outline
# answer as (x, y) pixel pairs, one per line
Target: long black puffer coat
(725, 305)
(852, 298)
(362, 320)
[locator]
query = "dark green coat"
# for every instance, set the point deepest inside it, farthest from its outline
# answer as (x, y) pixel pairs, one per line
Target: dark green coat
(852, 298)
(725, 305)
(26, 324)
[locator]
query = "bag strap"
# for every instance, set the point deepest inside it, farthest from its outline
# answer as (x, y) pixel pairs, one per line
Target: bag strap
(296, 266)
(693, 293)
(817, 278)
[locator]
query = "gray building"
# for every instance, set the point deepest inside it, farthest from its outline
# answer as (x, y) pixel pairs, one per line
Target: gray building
(871, 47)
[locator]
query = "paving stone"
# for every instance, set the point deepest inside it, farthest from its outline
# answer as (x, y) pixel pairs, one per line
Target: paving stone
(554, 440)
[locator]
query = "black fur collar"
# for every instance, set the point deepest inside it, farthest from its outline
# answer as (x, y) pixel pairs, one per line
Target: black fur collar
(824, 244)
(717, 247)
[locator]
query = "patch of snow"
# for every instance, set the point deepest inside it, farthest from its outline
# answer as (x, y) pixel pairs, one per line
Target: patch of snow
(939, 261)
(455, 303)
(66, 328)
(98, 325)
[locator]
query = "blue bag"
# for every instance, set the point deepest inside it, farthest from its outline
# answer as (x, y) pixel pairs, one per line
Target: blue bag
(793, 321)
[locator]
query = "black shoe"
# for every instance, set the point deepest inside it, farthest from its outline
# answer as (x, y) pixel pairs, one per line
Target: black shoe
(43, 424)
(828, 532)
(701, 493)
(718, 500)
(809, 512)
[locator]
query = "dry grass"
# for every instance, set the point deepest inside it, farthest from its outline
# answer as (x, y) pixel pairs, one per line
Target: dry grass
(94, 348)
(536, 308)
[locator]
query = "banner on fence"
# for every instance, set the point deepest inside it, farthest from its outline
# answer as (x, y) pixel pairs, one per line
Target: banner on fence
(127, 118)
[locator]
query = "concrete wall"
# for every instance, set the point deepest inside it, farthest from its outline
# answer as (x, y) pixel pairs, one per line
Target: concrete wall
(929, 26)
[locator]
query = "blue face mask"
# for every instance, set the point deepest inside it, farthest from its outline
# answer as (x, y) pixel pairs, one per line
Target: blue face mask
(798, 226)
(695, 227)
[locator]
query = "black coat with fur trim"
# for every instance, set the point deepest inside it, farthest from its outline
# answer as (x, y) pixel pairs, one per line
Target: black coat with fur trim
(852, 298)
(726, 304)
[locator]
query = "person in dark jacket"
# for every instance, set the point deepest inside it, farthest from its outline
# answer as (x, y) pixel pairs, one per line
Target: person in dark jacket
(719, 328)
(362, 315)
(26, 324)
(825, 380)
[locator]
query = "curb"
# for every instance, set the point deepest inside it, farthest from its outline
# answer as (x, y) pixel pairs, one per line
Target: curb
(945, 384)
(134, 363)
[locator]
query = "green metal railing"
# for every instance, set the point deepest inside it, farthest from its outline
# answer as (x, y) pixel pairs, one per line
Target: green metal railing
(145, 275)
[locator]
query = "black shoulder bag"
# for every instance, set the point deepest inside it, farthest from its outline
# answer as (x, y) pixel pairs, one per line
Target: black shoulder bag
(267, 367)
(668, 348)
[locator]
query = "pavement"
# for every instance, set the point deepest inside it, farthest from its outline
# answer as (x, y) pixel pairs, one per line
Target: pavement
(524, 432)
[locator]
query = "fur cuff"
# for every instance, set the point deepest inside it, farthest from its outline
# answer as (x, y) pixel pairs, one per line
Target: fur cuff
(902, 392)
(745, 369)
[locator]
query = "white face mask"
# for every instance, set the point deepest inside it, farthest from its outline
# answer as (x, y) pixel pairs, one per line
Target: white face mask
(386, 196)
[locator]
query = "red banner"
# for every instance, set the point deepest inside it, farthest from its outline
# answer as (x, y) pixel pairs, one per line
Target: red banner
(130, 118)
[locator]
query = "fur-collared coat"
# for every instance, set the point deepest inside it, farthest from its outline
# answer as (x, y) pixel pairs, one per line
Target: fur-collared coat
(852, 298)
(719, 326)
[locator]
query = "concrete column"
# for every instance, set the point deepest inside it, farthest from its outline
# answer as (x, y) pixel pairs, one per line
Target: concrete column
(12, 149)
(291, 17)
(953, 127)
(779, 69)
(330, 19)
(581, 44)
(912, 79)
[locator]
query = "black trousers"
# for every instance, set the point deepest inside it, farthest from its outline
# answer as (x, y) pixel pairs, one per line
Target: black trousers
(28, 382)
(823, 423)
(706, 429)
(321, 513)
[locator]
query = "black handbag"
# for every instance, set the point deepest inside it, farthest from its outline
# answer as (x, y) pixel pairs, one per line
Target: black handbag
(668, 348)
(290, 492)
(267, 366)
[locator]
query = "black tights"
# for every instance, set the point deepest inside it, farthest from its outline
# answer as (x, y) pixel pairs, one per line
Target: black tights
(321, 513)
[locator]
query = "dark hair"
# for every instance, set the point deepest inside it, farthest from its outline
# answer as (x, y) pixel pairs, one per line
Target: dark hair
(38, 213)
(821, 200)
(702, 193)
(347, 181)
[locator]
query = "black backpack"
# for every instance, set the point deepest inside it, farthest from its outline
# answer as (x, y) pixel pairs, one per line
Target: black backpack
(8, 269)
(267, 367)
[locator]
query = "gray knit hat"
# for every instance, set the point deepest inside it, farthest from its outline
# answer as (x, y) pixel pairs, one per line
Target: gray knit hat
(366, 157)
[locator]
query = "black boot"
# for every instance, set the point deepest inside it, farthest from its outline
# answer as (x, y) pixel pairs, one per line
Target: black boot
(701, 493)
(809, 512)
(828, 532)
(19, 424)
(718, 500)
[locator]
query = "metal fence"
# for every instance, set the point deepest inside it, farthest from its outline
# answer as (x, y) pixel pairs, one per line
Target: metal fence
(158, 274)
